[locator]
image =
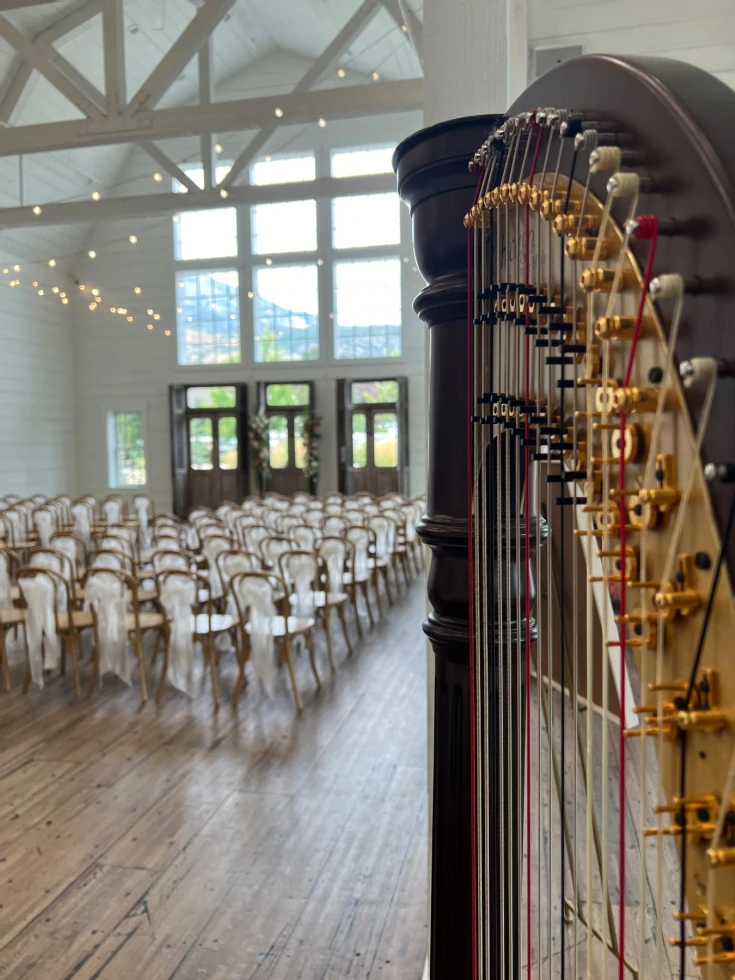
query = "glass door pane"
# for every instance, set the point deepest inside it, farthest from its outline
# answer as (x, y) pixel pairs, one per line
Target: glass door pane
(359, 440)
(385, 439)
(200, 443)
(299, 444)
(227, 434)
(278, 441)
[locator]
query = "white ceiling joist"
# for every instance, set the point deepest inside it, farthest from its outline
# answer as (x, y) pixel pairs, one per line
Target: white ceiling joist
(167, 164)
(186, 46)
(20, 71)
(220, 117)
(206, 97)
(362, 16)
(113, 40)
(37, 59)
(150, 204)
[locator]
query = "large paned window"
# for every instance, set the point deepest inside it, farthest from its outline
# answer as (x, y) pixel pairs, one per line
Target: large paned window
(286, 313)
(367, 308)
(208, 317)
(305, 274)
(126, 450)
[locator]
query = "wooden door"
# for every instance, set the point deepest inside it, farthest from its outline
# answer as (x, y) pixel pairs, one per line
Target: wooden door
(286, 405)
(372, 423)
(209, 440)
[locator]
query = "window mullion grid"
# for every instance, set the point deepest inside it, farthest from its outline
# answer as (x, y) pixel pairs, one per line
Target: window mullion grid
(324, 278)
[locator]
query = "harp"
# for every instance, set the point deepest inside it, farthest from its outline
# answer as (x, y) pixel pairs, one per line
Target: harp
(580, 294)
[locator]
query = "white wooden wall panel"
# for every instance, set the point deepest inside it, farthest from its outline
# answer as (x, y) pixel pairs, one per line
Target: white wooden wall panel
(702, 34)
(37, 438)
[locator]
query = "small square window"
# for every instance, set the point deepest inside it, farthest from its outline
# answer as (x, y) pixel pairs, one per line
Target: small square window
(370, 219)
(286, 313)
(286, 394)
(367, 306)
(361, 160)
(208, 317)
(126, 450)
(286, 227)
(374, 392)
(205, 235)
(284, 168)
(214, 396)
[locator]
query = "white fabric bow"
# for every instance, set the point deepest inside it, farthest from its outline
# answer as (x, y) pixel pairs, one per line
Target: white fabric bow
(44, 644)
(44, 527)
(142, 506)
(81, 523)
(301, 568)
(6, 598)
(256, 595)
(105, 595)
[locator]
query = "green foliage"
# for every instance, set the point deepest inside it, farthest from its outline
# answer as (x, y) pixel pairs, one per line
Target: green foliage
(287, 394)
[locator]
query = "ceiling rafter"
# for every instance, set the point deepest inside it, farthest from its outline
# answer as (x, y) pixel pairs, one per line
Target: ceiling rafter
(220, 117)
(166, 163)
(20, 71)
(113, 40)
(362, 16)
(407, 20)
(185, 47)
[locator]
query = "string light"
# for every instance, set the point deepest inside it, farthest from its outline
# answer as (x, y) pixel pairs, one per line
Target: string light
(93, 306)
(150, 326)
(278, 113)
(6, 271)
(223, 194)
(55, 290)
(37, 210)
(16, 268)
(133, 239)
(62, 295)
(40, 292)
(322, 123)
(175, 219)
(92, 254)
(82, 286)
(250, 295)
(137, 290)
(113, 310)
(179, 309)
(376, 76)
(167, 333)
(96, 195)
(341, 73)
(95, 292)
(34, 284)
(217, 147)
(269, 261)
(404, 28)
(157, 177)
(320, 261)
(52, 263)
(156, 316)
(130, 319)
(149, 312)
(268, 158)
(65, 301)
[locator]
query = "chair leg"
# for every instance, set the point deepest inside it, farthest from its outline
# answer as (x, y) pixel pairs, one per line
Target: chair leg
(288, 655)
(164, 667)
(63, 656)
(406, 572)
(386, 583)
(376, 586)
(209, 647)
(95, 654)
(365, 586)
(138, 644)
(74, 651)
(4, 660)
(309, 637)
(343, 620)
(28, 677)
(157, 647)
(353, 597)
(328, 631)
(243, 656)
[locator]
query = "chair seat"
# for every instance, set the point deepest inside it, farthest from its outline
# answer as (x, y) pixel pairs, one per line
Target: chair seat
(322, 599)
(348, 579)
(377, 563)
(296, 624)
(80, 619)
(220, 624)
(147, 620)
(12, 617)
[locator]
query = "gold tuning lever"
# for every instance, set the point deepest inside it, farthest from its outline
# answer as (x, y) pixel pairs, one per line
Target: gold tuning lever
(671, 686)
(693, 829)
(683, 601)
(721, 857)
(691, 941)
(699, 916)
(726, 957)
(667, 730)
(601, 280)
(688, 803)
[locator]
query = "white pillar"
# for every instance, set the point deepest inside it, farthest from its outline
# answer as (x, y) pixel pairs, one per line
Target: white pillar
(465, 57)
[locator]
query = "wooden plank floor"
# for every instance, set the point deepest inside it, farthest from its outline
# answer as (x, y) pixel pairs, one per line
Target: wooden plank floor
(176, 842)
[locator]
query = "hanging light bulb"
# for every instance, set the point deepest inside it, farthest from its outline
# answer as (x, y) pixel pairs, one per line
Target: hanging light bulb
(250, 295)
(137, 290)
(65, 301)
(322, 123)
(157, 177)
(92, 254)
(133, 239)
(278, 113)
(37, 210)
(96, 195)
(167, 333)
(156, 316)
(55, 290)
(16, 268)
(149, 312)
(6, 271)
(376, 76)
(217, 147)
(223, 194)
(149, 325)
(130, 319)
(40, 292)
(34, 284)
(52, 263)
(341, 73)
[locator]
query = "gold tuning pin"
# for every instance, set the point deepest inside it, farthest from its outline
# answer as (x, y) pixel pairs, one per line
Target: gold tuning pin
(721, 857)
(699, 916)
(634, 399)
(667, 730)
(726, 957)
(584, 248)
(674, 686)
(682, 601)
(696, 830)
(514, 191)
(690, 941)
(524, 193)
(505, 193)
(677, 804)
(601, 280)
(711, 720)
(569, 224)
(537, 198)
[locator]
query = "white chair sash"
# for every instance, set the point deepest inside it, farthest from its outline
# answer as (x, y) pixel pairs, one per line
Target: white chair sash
(178, 595)
(142, 507)
(80, 513)
(303, 571)
(44, 644)
(333, 553)
(112, 510)
(256, 594)
(44, 523)
(6, 599)
(105, 595)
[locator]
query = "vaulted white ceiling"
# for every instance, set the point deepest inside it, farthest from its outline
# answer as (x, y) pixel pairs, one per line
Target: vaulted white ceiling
(254, 33)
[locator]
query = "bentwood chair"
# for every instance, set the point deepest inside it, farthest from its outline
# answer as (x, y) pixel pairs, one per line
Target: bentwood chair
(11, 617)
(357, 578)
(261, 599)
(310, 591)
(380, 529)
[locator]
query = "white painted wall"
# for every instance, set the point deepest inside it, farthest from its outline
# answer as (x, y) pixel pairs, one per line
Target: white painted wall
(702, 34)
(37, 443)
(121, 365)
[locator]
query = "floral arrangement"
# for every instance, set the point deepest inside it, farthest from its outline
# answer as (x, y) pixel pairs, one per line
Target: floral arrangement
(258, 431)
(312, 435)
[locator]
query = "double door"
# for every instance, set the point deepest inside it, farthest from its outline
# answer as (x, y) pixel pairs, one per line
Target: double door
(372, 422)
(287, 407)
(209, 440)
